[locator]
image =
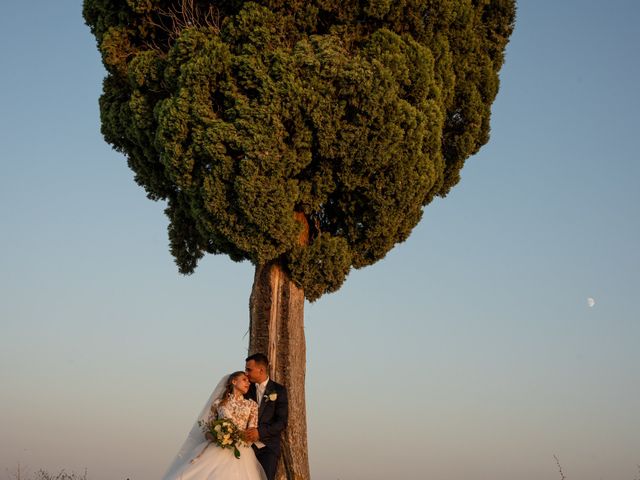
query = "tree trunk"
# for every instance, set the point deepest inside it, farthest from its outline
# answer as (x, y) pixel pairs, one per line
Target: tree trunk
(277, 330)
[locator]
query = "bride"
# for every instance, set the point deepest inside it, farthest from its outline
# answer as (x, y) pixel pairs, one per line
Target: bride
(198, 459)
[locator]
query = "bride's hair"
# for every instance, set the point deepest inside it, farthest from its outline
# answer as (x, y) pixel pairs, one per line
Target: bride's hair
(228, 388)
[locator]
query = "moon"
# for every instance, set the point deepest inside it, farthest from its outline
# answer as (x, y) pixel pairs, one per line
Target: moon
(591, 302)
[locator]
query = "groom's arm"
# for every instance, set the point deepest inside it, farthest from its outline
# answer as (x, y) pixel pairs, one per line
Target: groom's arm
(279, 420)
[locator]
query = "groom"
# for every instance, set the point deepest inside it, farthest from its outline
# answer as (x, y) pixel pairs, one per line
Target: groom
(272, 413)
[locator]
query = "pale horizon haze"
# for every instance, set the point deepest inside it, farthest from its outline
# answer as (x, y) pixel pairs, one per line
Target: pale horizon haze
(504, 331)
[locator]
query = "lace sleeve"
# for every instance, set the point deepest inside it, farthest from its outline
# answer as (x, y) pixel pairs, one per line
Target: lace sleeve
(213, 412)
(253, 415)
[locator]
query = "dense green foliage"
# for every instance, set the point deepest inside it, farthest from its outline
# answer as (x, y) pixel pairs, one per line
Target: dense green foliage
(353, 113)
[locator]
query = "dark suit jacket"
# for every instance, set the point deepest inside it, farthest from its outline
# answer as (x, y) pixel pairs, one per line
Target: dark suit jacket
(272, 414)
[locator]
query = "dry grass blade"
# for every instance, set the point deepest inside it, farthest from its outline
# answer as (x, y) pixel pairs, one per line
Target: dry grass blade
(559, 468)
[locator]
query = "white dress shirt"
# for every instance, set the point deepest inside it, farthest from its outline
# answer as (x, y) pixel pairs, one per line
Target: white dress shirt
(260, 388)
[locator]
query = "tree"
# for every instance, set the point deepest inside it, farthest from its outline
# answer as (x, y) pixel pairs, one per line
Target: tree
(303, 136)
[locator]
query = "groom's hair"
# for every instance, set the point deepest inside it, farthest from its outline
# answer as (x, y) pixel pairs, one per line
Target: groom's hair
(260, 359)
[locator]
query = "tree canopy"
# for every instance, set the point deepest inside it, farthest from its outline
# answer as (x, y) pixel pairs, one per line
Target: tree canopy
(247, 116)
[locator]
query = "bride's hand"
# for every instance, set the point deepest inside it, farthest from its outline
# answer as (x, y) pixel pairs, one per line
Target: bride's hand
(250, 435)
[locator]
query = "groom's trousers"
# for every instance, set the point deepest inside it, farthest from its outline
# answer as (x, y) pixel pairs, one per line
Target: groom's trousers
(268, 458)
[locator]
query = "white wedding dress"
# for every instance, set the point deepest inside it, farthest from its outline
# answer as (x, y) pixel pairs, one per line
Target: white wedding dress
(199, 459)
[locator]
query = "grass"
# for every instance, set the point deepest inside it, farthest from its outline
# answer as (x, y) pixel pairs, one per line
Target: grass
(563, 477)
(21, 474)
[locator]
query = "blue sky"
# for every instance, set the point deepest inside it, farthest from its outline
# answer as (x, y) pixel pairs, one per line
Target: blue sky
(469, 350)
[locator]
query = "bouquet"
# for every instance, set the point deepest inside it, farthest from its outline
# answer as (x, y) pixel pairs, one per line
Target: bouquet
(225, 434)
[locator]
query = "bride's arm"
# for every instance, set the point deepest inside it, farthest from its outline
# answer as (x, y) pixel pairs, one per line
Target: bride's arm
(213, 415)
(253, 415)
(250, 435)
(213, 412)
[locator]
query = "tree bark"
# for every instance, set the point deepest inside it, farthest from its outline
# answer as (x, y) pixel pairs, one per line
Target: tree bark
(276, 308)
